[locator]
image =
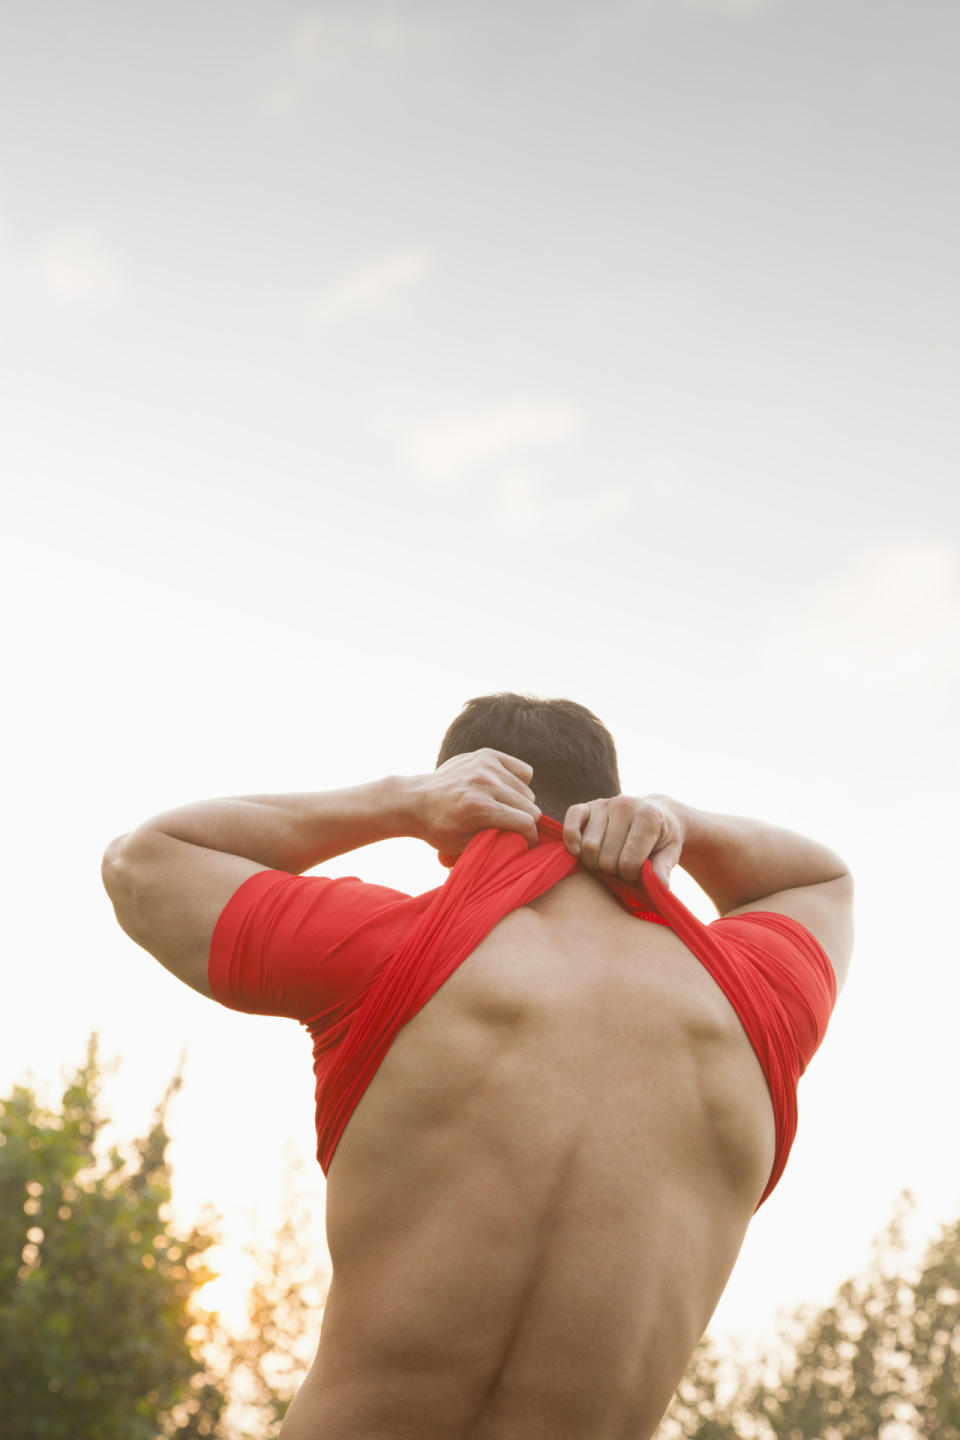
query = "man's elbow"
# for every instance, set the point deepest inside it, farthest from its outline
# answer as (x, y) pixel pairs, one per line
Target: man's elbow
(125, 881)
(136, 879)
(845, 890)
(113, 866)
(841, 948)
(123, 874)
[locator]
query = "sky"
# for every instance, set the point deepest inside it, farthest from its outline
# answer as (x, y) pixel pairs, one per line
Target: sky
(356, 359)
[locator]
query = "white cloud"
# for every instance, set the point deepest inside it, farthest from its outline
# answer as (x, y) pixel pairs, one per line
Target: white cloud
(320, 52)
(368, 287)
(733, 7)
(70, 267)
(502, 456)
(8, 264)
(600, 15)
(75, 267)
(454, 447)
(527, 505)
(874, 648)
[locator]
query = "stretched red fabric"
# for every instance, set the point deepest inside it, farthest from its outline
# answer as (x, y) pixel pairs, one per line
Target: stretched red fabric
(356, 962)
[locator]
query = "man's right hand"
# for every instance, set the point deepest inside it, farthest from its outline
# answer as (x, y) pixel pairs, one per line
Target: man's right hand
(482, 790)
(615, 836)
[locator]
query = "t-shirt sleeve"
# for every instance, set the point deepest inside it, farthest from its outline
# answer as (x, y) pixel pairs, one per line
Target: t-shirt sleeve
(782, 932)
(794, 965)
(299, 945)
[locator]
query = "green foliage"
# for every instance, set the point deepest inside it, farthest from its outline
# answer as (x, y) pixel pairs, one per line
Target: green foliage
(702, 1408)
(883, 1357)
(100, 1339)
(268, 1360)
(96, 1335)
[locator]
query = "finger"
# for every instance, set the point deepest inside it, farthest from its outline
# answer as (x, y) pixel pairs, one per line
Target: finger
(614, 839)
(520, 768)
(573, 824)
(591, 838)
(664, 859)
(515, 785)
(636, 847)
(523, 799)
(508, 817)
(646, 832)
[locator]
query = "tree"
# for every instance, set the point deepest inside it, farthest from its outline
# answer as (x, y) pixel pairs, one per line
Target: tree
(267, 1360)
(101, 1337)
(882, 1359)
(884, 1356)
(703, 1407)
(97, 1338)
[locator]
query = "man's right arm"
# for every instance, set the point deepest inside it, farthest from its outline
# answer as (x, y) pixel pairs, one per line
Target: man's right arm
(170, 879)
(741, 864)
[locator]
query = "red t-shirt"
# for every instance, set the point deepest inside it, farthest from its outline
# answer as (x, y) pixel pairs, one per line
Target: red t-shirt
(354, 962)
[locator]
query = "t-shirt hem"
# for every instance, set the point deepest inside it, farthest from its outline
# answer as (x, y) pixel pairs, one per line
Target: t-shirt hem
(230, 922)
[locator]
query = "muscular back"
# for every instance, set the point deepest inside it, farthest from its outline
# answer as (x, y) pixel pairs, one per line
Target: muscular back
(535, 1207)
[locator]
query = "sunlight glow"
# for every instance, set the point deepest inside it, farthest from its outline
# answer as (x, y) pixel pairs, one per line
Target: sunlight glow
(226, 1293)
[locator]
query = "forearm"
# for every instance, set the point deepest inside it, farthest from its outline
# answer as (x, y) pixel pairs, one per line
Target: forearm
(445, 808)
(291, 832)
(736, 860)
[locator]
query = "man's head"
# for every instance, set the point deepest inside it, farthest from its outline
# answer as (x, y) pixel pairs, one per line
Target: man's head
(572, 754)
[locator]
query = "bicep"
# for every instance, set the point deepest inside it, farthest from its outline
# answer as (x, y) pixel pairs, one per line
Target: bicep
(168, 895)
(826, 910)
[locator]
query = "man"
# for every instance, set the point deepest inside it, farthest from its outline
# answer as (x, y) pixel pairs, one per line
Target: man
(549, 1098)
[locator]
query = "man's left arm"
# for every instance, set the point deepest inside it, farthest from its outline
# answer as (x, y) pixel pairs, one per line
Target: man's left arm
(170, 879)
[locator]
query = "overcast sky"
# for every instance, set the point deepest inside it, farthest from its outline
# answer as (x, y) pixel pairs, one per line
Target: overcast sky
(356, 359)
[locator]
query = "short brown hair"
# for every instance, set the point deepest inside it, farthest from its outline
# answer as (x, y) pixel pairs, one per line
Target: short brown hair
(572, 754)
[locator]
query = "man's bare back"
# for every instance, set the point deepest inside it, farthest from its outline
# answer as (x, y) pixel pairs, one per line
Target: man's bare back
(536, 1203)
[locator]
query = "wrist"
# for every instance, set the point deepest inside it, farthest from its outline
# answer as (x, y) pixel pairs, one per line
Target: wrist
(684, 815)
(400, 802)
